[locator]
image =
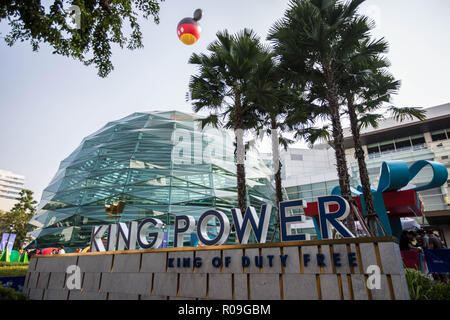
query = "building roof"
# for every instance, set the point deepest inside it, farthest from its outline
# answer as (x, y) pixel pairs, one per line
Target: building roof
(6, 173)
(437, 118)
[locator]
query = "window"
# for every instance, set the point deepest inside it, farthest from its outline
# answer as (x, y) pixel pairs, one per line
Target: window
(304, 187)
(297, 157)
(417, 140)
(438, 135)
(291, 189)
(319, 186)
(373, 149)
(332, 184)
(403, 144)
(319, 193)
(8, 197)
(387, 147)
(306, 195)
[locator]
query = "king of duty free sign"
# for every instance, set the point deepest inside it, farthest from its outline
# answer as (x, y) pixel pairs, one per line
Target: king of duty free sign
(348, 269)
(122, 236)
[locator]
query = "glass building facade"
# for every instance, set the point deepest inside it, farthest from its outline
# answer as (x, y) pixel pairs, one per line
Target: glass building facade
(154, 164)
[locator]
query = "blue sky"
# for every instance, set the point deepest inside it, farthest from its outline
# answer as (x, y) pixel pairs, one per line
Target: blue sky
(49, 103)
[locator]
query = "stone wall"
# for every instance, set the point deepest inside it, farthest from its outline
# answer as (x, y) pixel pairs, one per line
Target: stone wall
(155, 274)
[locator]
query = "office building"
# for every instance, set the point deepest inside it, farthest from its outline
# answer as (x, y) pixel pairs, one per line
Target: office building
(10, 186)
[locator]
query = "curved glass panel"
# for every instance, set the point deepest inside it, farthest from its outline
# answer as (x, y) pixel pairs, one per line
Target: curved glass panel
(159, 164)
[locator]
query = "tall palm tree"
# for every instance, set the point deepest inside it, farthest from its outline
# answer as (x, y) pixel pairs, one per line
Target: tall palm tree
(221, 86)
(363, 82)
(272, 97)
(366, 87)
(314, 39)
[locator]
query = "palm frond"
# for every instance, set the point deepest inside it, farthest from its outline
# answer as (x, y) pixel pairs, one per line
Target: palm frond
(312, 135)
(370, 120)
(211, 120)
(401, 114)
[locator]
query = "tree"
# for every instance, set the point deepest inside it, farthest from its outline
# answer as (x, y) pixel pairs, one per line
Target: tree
(315, 39)
(273, 98)
(16, 220)
(366, 86)
(221, 86)
(102, 23)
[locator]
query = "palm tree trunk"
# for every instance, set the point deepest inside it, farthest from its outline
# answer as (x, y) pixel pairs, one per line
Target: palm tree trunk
(240, 157)
(363, 173)
(338, 143)
(277, 170)
(276, 161)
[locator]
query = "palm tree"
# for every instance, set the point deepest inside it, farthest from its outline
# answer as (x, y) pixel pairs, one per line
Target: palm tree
(273, 98)
(366, 87)
(221, 86)
(315, 39)
(364, 83)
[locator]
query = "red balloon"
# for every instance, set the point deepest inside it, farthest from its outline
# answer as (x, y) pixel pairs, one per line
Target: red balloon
(189, 29)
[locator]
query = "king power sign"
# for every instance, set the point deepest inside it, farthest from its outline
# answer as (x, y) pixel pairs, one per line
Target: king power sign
(122, 236)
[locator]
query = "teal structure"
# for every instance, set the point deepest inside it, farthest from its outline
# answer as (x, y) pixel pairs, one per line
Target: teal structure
(395, 175)
(160, 164)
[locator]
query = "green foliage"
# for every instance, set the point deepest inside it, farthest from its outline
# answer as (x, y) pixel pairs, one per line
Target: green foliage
(4, 257)
(423, 288)
(11, 294)
(317, 41)
(224, 76)
(13, 264)
(222, 86)
(13, 269)
(407, 113)
(102, 24)
(16, 271)
(16, 220)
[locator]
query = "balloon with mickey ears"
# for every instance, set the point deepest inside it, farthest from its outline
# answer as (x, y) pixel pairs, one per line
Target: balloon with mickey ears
(189, 29)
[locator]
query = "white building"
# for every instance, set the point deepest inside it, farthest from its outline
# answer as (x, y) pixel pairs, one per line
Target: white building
(411, 141)
(310, 173)
(306, 174)
(10, 186)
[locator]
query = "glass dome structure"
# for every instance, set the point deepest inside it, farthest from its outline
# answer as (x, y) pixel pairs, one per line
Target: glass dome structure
(148, 164)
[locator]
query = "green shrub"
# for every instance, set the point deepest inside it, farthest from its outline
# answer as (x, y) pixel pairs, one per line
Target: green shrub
(423, 288)
(11, 269)
(10, 294)
(13, 264)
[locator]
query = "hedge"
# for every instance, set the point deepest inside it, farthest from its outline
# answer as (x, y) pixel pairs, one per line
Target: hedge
(11, 269)
(423, 288)
(3, 264)
(10, 294)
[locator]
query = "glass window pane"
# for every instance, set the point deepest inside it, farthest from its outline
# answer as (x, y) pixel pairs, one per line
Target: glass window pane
(318, 186)
(305, 187)
(438, 135)
(297, 157)
(374, 149)
(403, 144)
(387, 147)
(418, 141)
